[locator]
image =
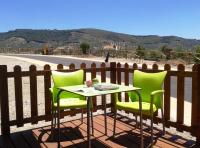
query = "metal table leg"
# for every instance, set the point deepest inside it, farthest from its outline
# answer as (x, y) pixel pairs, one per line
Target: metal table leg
(88, 122)
(58, 116)
(105, 119)
(141, 119)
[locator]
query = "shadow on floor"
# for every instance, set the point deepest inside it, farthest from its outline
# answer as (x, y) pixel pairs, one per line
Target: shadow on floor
(66, 134)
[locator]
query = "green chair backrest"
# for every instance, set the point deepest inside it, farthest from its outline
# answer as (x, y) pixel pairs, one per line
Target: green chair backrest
(148, 82)
(61, 79)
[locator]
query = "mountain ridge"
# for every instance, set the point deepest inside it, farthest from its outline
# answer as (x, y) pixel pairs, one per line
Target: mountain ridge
(97, 38)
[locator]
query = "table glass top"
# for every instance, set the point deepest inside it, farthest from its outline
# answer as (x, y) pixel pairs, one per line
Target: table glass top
(98, 89)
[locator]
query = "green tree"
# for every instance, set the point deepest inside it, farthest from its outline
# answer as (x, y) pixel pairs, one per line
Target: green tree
(197, 54)
(85, 47)
(140, 52)
(154, 55)
(179, 48)
(166, 51)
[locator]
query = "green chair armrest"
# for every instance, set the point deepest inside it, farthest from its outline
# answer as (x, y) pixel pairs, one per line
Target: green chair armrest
(116, 98)
(157, 92)
(51, 90)
(52, 94)
(154, 94)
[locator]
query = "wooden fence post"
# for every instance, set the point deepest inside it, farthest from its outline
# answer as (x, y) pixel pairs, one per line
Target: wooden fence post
(196, 103)
(167, 85)
(198, 108)
(47, 85)
(119, 79)
(126, 80)
(83, 66)
(144, 66)
(180, 95)
(155, 68)
(103, 79)
(18, 95)
(33, 93)
(113, 72)
(5, 127)
(72, 67)
(93, 75)
(112, 80)
(60, 68)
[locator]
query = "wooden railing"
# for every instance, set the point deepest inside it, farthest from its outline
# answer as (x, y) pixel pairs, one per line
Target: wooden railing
(118, 74)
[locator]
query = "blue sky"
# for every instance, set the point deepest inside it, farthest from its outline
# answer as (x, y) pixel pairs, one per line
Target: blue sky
(136, 17)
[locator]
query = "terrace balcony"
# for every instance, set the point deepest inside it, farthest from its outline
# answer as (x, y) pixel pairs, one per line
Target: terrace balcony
(73, 133)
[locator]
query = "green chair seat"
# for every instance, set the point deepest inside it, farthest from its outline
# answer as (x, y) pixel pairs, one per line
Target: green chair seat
(71, 103)
(134, 107)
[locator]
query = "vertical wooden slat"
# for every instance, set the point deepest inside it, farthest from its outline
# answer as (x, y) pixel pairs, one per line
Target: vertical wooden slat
(113, 72)
(119, 78)
(135, 66)
(112, 80)
(180, 95)
(103, 72)
(167, 85)
(47, 85)
(194, 113)
(155, 68)
(194, 96)
(198, 109)
(59, 68)
(126, 79)
(93, 75)
(18, 95)
(83, 66)
(103, 79)
(33, 92)
(5, 128)
(144, 66)
(72, 66)
(195, 123)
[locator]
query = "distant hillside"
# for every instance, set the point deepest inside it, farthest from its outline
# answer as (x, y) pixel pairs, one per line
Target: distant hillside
(28, 38)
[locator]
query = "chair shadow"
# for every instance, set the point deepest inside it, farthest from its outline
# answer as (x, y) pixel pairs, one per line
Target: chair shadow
(94, 143)
(66, 134)
(130, 138)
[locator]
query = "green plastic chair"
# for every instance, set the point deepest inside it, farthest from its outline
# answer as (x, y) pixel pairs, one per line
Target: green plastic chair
(67, 100)
(151, 94)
